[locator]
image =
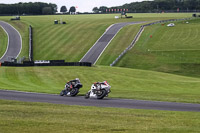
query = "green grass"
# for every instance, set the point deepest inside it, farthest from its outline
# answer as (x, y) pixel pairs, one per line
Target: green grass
(18, 117)
(171, 50)
(3, 42)
(126, 83)
(79, 34)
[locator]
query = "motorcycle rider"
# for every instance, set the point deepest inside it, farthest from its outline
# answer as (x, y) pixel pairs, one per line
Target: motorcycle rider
(70, 84)
(98, 84)
(98, 90)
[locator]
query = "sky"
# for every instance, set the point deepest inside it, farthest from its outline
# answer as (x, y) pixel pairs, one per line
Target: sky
(83, 5)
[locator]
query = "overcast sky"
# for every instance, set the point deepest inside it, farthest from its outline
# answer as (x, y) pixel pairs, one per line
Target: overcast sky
(83, 5)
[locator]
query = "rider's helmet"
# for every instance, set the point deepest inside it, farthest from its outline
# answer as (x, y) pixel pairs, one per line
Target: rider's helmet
(78, 79)
(105, 82)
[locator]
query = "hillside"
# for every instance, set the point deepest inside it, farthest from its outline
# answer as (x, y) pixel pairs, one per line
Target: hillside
(171, 49)
(79, 34)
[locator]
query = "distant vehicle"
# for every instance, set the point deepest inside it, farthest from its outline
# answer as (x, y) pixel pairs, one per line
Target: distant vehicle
(98, 90)
(15, 18)
(171, 25)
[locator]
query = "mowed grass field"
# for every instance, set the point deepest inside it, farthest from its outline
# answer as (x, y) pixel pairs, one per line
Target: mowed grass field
(79, 34)
(126, 83)
(3, 41)
(21, 117)
(171, 49)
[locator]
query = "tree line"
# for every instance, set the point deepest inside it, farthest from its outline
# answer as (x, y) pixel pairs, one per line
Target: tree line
(37, 8)
(72, 9)
(155, 6)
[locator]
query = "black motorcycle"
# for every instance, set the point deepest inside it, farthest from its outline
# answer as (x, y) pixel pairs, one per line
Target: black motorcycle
(71, 89)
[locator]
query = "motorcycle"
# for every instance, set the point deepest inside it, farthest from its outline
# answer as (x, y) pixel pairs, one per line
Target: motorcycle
(71, 90)
(99, 90)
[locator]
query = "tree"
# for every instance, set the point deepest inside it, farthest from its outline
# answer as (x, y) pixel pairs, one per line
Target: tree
(95, 10)
(103, 9)
(63, 9)
(54, 7)
(47, 11)
(72, 10)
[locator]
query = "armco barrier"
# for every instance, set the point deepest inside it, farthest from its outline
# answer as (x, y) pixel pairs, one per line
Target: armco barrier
(138, 35)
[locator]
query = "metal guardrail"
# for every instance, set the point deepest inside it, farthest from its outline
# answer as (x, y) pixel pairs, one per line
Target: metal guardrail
(129, 47)
(138, 35)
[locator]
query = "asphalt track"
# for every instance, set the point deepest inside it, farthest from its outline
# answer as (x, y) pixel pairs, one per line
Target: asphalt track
(98, 48)
(14, 42)
(107, 102)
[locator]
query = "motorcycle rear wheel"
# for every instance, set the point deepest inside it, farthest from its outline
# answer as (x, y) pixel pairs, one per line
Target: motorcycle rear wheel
(74, 92)
(102, 94)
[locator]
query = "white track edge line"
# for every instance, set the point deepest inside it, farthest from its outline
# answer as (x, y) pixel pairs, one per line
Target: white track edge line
(97, 41)
(106, 46)
(7, 43)
(112, 39)
(20, 39)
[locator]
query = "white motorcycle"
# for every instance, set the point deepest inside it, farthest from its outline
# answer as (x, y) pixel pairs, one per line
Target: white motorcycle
(99, 90)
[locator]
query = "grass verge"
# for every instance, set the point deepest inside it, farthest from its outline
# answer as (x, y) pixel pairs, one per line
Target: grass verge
(3, 42)
(20, 117)
(126, 83)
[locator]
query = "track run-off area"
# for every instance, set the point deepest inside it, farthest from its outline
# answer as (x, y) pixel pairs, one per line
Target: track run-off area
(107, 102)
(14, 42)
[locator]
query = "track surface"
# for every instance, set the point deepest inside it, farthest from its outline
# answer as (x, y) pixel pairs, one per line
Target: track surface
(95, 52)
(107, 102)
(14, 42)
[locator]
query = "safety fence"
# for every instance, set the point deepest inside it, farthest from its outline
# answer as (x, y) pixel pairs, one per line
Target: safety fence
(46, 63)
(140, 32)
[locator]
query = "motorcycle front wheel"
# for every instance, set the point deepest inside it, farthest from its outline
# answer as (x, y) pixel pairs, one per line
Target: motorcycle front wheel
(87, 95)
(101, 94)
(62, 93)
(74, 92)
